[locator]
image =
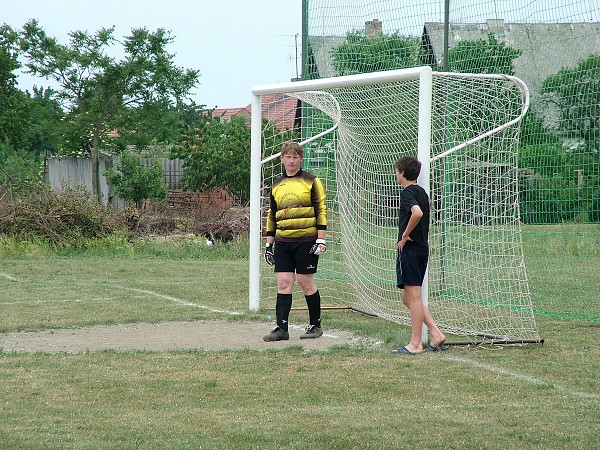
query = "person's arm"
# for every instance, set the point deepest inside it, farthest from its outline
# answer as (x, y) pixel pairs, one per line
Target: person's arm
(415, 216)
(318, 200)
(317, 197)
(271, 225)
(271, 230)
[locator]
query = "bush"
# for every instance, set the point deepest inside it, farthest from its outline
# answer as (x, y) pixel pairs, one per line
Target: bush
(16, 167)
(137, 183)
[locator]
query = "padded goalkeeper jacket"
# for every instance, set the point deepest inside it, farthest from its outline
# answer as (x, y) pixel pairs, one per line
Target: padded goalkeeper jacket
(297, 208)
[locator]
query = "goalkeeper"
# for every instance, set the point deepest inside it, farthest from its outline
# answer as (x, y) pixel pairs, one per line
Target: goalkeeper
(296, 233)
(413, 251)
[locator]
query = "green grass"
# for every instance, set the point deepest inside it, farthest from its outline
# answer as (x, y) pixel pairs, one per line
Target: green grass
(525, 397)
(289, 399)
(563, 263)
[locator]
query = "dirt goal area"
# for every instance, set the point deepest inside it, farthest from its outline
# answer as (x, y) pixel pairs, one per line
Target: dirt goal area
(164, 336)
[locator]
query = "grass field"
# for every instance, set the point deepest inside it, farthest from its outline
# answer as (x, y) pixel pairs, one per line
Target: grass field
(525, 397)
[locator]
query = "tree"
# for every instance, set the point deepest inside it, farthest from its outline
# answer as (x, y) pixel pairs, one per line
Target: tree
(535, 132)
(481, 56)
(161, 126)
(16, 167)
(19, 161)
(217, 154)
(364, 54)
(14, 106)
(100, 93)
(135, 182)
(576, 94)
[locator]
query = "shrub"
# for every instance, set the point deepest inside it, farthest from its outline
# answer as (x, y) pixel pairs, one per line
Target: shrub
(137, 183)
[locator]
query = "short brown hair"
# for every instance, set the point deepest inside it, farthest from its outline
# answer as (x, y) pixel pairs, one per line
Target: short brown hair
(410, 166)
(292, 148)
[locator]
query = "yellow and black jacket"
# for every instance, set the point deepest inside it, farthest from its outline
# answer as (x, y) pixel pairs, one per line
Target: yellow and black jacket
(297, 208)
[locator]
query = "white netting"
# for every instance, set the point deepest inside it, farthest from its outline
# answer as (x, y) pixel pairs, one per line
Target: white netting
(477, 279)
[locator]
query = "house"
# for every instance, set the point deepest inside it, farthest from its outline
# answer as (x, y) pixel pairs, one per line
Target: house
(320, 48)
(320, 62)
(546, 47)
(279, 108)
(227, 113)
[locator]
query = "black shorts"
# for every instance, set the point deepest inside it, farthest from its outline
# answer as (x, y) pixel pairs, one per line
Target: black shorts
(410, 267)
(295, 257)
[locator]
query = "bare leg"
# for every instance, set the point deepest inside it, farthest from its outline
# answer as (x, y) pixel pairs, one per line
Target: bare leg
(285, 282)
(307, 283)
(411, 297)
(437, 337)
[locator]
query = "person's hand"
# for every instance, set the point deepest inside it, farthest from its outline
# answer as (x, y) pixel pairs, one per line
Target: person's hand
(402, 242)
(269, 255)
(319, 247)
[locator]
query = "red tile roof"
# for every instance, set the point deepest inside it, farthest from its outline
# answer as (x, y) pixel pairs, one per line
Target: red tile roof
(226, 113)
(278, 108)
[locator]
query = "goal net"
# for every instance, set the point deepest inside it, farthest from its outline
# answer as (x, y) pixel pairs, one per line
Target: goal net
(464, 128)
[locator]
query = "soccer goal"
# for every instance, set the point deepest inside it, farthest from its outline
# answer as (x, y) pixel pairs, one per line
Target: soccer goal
(464, 128)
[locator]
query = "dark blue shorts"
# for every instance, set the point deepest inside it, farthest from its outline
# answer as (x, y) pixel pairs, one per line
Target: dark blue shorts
(410, 267)
(295, 257)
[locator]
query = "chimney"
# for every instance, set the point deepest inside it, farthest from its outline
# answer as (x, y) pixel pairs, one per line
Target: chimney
(496, 26)
(373, 28)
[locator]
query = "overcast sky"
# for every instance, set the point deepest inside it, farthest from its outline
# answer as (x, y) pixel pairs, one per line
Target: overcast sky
(220, 38)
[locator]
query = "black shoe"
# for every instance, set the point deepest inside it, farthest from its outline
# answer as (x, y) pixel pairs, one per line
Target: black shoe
(276, 334)
(312, 332)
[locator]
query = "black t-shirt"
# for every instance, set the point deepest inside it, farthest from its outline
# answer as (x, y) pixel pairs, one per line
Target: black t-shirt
(410, 196)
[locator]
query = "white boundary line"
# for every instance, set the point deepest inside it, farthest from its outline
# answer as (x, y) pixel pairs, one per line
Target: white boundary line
(524, 378)
(51, 302)
(178, 300)
(471, 362)
(196, 305)
(8, 277)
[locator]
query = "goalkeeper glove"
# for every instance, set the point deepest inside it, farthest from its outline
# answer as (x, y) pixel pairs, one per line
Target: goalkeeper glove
(269, 255)
(319, 247)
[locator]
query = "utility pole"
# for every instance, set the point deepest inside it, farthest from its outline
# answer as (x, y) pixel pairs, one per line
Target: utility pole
(296, 45)
(304, 37)
(446, 32)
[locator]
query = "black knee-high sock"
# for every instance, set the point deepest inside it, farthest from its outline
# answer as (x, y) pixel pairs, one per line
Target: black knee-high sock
(313, 302)
(282, 310)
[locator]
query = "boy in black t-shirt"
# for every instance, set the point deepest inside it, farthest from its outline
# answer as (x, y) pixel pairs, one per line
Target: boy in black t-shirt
(413, 253)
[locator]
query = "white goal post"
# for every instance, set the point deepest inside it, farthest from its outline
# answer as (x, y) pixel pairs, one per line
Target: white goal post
(464, 129)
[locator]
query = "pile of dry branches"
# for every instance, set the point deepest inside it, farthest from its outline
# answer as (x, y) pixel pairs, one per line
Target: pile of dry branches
(224, 226)
(62, 219)
(71, 217)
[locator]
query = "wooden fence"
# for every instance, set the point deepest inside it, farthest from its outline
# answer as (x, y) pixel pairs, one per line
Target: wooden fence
(63, 173)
